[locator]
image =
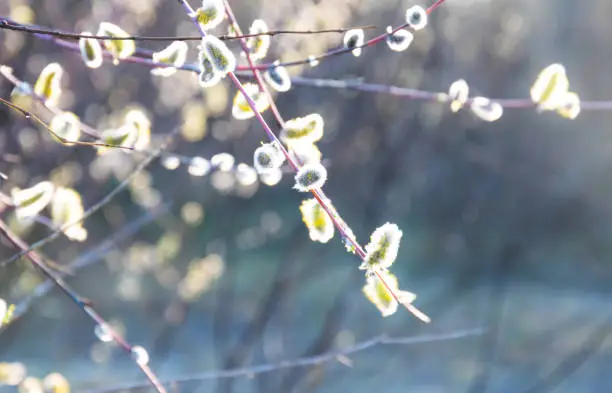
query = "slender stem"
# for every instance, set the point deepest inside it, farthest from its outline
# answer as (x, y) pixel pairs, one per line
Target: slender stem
(381, 340)
(8, 202)
(409, 306)
(334, 52)
(8, 24)
(83, 304)
(379, 38)
(92, 209)
(343, 50)
(263, 66)
(33, 117)
(84, 260)
(317, 193)
(396, 91)
(256, 72)
(434, 6)
(85, 128)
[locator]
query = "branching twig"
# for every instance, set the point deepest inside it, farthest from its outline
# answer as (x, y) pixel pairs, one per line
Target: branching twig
(82, 303)
(30, 116)
(85, 260)
(255, 72)
(317, 192)
(305, 361)
(93, 209)
(144, 59)
(85, 128)
(415, 94)
(264, 66)
(8, 24)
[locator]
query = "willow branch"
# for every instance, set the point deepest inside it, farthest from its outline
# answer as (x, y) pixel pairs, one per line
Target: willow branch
(8, 24)
(85, 128)
(144, 59)
(342, 354)
(255, 71)
(85, 260)
(317, 193)
(82, 303)
(90, 211)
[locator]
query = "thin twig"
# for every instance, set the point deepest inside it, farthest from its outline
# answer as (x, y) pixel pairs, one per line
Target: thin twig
(305, 361)
(434, 6)
(86, 259)
(93, 209)
(255, 71)
(8, 24)
(82, 303)
(30, 116)
(415, 94)
(338, 222)
(334, 52)
(87, 129)
(350, 84)
(344, 50)
(264, 66)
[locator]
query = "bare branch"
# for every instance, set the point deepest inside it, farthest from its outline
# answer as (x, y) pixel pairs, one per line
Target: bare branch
(93, 209)
(82, 303)
(305, 361)
(85, 260)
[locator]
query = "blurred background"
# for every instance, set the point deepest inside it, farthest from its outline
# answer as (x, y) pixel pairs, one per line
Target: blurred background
(506, 224)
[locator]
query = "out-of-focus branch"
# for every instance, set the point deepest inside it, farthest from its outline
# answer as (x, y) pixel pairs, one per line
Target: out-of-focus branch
(82, 303)
(307, 361)
(91, 210)
(86, 259)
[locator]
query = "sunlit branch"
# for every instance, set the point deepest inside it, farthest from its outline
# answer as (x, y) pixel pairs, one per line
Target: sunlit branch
(8, 24)
(263, 66)
(256, 73)
(30, 116)
(85, 128)
(350, 84)
(316, 192)
(422, 95)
